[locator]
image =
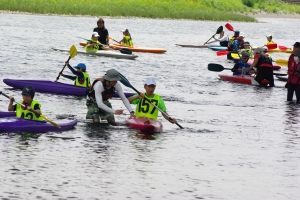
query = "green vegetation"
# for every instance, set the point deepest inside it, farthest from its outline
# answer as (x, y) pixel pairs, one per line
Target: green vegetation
(216, 10)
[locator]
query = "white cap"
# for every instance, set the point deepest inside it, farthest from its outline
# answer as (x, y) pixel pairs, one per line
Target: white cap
(268, 36)
(125, 30)
(242, 34)
(95, 34)
(150, 81)
(264, 48)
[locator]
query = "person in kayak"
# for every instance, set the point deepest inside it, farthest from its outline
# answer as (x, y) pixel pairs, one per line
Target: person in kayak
(293, 82)
(242, 65)
(100, 92)
(126, 40)
(94, 45)
(144, 108)
(265, 49)
(269, 38)
(236, 44)
(102, 31)
(81, 77)
(247, 48)
(264, 67)
(223, 39)
(27, 104)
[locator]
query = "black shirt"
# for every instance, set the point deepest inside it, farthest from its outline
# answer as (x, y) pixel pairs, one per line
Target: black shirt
(103, 32)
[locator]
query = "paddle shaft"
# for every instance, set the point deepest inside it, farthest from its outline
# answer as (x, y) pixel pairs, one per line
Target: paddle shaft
(62, 69)
(273, 72)
(209, 39)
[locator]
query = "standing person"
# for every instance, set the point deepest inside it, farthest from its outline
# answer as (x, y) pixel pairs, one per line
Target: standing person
(94, 45)
(102, 31)
(81, 78)
(103, 89)
(144, 108)
(265, 49)
(223, 39)
(264, 67)
(127, 40)
(269, 38)
(29, 104)
(242, 65)
(293, 82)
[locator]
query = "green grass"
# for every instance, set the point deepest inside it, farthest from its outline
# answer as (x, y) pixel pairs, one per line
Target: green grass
(216, 10)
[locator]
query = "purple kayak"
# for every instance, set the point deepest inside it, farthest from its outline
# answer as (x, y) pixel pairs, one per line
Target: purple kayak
(53, 87)
(13, 124)
(7, 114)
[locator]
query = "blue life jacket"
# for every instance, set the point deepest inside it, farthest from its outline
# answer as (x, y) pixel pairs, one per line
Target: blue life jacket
(241, 64)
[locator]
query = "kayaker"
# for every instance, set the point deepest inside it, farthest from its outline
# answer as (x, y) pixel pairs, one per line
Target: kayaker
(269, 38)
(102, 31)
(242, 65)
(265, 49)
(293, 82)
(264, 67)
(27, 104)
(94, 45)
(101, 91)
(236, 44)
(223, 39)
(127, 40)
(247, 48)
(82, 78)
(144, 108)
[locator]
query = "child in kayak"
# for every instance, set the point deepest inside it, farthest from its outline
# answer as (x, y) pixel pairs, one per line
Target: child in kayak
(146, 109)
(242, 65)
(82, 78)
(269, 38)
(27, 104)
(127, 40)
(223, 39)
(94, 45)
(247, 48)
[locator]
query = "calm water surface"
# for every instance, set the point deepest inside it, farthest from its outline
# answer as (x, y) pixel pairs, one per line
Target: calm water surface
(239, 141)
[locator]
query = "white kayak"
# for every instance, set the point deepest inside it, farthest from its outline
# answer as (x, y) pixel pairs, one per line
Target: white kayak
(106, 53)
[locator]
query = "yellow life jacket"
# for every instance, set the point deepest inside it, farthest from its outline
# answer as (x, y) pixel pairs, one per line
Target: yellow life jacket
(26, 114)
(128, 41)
(86, 81)
(94, 48)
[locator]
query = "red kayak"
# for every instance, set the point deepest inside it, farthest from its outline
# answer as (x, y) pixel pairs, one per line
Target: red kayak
(145, 125)
(275, 66)
(245, 79)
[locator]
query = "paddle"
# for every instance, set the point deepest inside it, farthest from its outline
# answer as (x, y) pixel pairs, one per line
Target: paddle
(113, 39)
(122, 50)
(73, 52)
(219, 30)
(31, 110)
(125, 82)
(218, 68)
(229, 27)
(281, 61)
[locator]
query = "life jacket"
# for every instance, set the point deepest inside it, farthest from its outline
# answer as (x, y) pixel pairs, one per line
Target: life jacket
(240, 44)
(270, 42)
(249, 51)
(293, 69)
(106, 94)
(22, 112)
(128, 41)
(146, 109)
(264, 61)
(241, 64)
(94, 48)
(85, 82)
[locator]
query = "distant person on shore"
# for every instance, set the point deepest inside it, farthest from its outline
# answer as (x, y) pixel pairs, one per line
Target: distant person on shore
(81, 78)
(293, 84)
(127, 40)
(93, 45)
(242, 65)
(223, 39)
(264, 67)
(269, 38)
(102, 31)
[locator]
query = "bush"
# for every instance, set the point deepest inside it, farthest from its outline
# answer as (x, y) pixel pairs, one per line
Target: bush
(249, 3)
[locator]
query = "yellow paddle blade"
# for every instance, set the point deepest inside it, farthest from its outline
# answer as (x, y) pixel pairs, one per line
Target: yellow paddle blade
(51, 122)
(281, 61)
(110, 38)
(73, 51)
(235, 55)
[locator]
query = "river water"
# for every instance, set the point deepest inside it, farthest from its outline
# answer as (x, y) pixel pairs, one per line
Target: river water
(238, 142)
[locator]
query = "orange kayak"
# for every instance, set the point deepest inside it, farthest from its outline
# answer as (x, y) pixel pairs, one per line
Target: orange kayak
(135, 49)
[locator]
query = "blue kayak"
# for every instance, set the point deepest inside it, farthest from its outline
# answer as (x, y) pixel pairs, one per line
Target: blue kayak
(218, 48)
(7, 114)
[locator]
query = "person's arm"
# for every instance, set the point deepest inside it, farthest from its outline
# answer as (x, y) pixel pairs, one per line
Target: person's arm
(134, 97)
(252, 65)
(10, 105)
(212, 41)
(236, 68)
(163, 107)
(107, 37)
(123, 97)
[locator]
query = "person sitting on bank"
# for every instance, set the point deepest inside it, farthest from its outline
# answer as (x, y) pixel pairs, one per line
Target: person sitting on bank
(101, 91)
(94, 45)
(25, 107)
(269, 38)
(146, 109)
(223, 39)
(127, 40)
(81, 77)
(241, 66)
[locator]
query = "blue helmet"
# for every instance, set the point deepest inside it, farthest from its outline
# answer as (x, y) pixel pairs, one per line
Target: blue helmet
(81, 66)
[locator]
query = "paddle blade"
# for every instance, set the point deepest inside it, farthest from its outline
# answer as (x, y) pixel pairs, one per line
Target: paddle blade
(51, 122)
(229, 27)
(73, 51)
(215, 67)
(124, 81)
(281, 61)
(125, 51)
(271, 46)
(219, 30)
(283, 48)
(222, 53)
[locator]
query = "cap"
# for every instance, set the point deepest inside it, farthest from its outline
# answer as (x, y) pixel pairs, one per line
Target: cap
(297, 53)
(242, 34)
(95, 34)
(269, 36)
(80, 66)
(246, 43)
(112, 75)
(264, 48)
(297, 44)
(245, 54)
(150, 81)
(236, 34)
(28, 90)
(125, 30)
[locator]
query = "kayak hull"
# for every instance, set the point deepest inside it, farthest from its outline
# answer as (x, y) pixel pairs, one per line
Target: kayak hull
(196, 46)
(139, 49)
(13, 124)
(250, 61)
(244, 79)
(145, 125)
(218, 48)
(7, 114)
(105, 53)
(53, 87)
(282, 78)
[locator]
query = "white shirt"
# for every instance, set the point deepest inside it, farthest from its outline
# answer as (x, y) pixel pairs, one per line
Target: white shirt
(224, 38)
(98, 87)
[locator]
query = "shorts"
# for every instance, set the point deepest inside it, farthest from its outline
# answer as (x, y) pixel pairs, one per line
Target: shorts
(94, 112)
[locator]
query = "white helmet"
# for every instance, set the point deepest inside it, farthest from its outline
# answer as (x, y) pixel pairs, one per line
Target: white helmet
(265, 49)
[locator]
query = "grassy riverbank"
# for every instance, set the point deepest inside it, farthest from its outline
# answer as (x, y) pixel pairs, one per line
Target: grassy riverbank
(216, 10)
